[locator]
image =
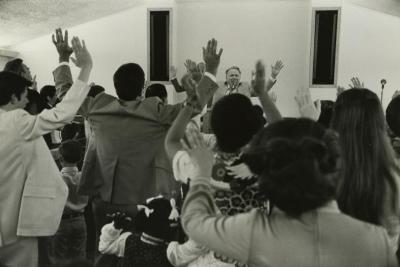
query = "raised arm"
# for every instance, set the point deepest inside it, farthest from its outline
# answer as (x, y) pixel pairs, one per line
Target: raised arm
(306, 106)
(267, 103)
(197, 101)
(208, 84)
(228, 235)
(50, 119)
(62, 74)
(275, 70)
(174, 80)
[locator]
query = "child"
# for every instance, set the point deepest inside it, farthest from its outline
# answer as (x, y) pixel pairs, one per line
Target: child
(146, 244)
(70, 239)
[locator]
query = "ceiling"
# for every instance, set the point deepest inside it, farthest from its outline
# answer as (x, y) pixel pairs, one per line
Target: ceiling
(391, 7)
(21, 20)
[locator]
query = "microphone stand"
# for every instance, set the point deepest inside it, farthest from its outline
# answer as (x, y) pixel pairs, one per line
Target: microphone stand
(383, 82)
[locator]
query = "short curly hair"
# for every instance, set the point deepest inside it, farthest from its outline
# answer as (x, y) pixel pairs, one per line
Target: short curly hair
(297, 162)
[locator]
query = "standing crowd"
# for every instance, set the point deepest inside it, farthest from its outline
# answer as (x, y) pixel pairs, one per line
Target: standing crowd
(212, 181)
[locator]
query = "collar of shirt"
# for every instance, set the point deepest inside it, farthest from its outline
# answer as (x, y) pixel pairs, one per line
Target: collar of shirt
(69, 170)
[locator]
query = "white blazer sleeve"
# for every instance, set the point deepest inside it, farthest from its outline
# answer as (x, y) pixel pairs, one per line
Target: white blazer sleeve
(32, 127)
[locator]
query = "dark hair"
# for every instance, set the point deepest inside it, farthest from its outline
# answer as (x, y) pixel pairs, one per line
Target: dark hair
(157, 224)
(235, 120)
(393, 116)
(326, 112)
(14, 65)
(156, 89)
(233, 68)
(129, 81)
(69, 131)
(70, 151)
(95, 90)
(75, 262)
(11, 84)
(368, 158)
(36, 102)
(296, 161)
(48, 91)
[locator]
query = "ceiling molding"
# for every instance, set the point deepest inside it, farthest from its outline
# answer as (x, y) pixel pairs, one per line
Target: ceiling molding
(391, 7)
(22, 20)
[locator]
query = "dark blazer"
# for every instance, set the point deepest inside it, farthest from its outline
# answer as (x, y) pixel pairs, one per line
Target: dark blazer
(125, 162)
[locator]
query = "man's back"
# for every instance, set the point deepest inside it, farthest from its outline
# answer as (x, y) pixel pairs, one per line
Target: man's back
(128, 145)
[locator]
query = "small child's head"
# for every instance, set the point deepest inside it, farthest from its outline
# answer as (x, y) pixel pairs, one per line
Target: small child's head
(70, 152)
(157, 89)
(392, 116)
(158, 218)
(234, 121)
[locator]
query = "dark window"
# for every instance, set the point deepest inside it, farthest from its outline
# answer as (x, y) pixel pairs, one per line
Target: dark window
(325, 34)
(159, 45)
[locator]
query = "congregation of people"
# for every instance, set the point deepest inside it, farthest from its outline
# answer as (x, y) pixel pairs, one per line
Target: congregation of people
(92, 179)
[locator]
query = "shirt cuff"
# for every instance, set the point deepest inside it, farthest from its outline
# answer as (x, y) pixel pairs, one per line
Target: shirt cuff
(64, 63)
(201, 181)
(211, 76)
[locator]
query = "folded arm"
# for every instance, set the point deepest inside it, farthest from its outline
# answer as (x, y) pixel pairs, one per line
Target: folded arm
(112, 241)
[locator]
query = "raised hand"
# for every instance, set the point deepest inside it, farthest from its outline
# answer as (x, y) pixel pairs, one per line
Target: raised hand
(276, 68)
(355, 83)
(306, 106)
(61, 44)
(396, 94)
(190, 66)
(34, 83)
(258, 82)
(82, 56)
(273, 96)
(210, 56)
(199, 152)
(339, 90)
(172, 72)
(201, 67)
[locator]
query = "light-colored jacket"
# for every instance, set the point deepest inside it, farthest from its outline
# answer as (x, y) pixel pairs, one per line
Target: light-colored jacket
(32, 192)
(323, 237)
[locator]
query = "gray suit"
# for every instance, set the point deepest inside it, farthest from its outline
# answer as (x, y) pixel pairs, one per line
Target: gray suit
(126, 162)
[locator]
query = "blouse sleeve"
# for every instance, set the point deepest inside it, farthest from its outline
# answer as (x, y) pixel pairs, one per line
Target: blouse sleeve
(228, 235)
(112, 241)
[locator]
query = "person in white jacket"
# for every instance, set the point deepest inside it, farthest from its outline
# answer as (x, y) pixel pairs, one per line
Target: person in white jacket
(32, 192)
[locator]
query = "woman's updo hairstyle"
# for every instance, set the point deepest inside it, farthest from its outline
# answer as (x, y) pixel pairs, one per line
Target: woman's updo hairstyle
(296, 161)
(234, 121)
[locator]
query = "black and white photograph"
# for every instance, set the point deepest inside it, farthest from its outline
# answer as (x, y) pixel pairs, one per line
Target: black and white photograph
(199, 133)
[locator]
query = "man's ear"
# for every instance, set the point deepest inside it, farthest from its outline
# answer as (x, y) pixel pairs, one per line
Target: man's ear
(14, 99)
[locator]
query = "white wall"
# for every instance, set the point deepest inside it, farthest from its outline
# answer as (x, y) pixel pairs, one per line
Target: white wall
(369, 44)
(112, 41)
(250, 30)
(370, 49)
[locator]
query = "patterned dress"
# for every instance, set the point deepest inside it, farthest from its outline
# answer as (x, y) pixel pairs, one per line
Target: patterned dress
(236, 188)
(142, 254)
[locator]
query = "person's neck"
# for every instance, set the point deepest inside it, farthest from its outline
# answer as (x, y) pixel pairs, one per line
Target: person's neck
(8, 107)
(66, 165)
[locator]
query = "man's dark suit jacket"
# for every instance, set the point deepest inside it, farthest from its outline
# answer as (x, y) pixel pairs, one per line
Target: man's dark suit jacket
(126, 162)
